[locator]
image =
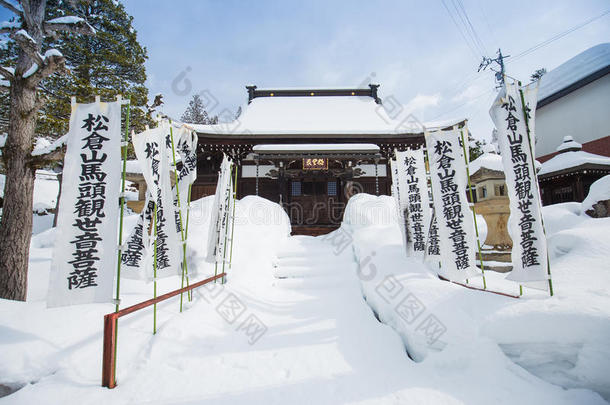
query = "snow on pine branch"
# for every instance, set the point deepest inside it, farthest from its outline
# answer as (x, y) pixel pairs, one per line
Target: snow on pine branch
(71, 19)
(12, 6)
(44, 146)
(68, 23)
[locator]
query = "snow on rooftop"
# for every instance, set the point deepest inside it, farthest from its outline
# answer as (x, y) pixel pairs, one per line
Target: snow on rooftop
(312, 115)
(307, 147)
(575, 69)
(489, 161)
(599, 191)
(567, 160)
(568, 143)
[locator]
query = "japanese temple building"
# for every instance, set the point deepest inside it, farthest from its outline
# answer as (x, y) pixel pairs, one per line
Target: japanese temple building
(308, 150)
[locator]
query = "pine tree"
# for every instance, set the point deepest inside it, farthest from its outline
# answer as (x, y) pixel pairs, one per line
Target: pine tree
(475, 147)
(196, 114)
(537, 75)
(106, 64)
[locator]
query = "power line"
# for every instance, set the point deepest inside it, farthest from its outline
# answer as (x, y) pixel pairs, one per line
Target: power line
(558, 36)
(470, 46)
(469, 27)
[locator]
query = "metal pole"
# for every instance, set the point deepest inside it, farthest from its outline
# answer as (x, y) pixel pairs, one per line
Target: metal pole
(474, 212)
(529, 142)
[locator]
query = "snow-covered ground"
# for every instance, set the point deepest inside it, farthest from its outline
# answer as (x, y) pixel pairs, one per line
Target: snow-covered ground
(342, 318)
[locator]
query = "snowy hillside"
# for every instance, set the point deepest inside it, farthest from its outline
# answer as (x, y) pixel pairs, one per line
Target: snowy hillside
(342, 318)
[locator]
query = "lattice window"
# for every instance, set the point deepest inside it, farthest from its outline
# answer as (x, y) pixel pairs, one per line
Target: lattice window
(331, 188)
(295, 188)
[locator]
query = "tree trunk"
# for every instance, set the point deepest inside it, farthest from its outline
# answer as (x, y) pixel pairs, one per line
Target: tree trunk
(60, 176)
(16, 224)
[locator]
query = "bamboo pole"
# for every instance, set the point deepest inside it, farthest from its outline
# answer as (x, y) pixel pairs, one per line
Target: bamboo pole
(232, 222)
(186, 234)
(529, 142)
(184, 264)
(224, 250)
(155, 270)
(474, 212)
(122, 212)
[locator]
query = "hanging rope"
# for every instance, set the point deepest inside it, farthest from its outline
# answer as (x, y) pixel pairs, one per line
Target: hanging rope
(257, 177)
(376, 179)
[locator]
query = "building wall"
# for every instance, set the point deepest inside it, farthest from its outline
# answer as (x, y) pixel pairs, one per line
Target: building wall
(583, 114)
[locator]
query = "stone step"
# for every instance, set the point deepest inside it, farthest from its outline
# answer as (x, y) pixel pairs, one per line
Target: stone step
(317, 271)
(336, 281)
(313, 260)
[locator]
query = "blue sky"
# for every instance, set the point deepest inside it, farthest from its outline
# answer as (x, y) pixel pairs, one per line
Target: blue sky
(412, 48)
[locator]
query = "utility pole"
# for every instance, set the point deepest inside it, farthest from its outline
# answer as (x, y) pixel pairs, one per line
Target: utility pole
(486, 62)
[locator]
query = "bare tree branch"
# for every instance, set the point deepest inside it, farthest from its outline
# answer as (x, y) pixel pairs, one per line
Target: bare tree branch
(51, 64)
(27, 44)
(8, 75)
(11, 7)
(79, 27)
(8, 30)
(48, 158)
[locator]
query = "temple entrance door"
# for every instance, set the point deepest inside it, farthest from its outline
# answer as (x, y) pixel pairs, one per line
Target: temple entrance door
(313, 201)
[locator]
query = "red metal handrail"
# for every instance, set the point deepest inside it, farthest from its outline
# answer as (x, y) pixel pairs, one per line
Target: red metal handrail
(110, 328)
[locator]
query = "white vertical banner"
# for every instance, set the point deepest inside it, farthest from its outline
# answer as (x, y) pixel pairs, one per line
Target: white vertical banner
(454, 218)
(218, 212)
(186, 148)
(137, 247)
(84, 259)
(412, 169)
(400, 204)
(529, 253)
(151, 150)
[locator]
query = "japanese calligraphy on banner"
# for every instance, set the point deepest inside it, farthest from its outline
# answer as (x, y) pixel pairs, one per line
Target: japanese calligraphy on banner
(186, 149)
(413, 172)
(151, 150)
(433, 249)
(401, 204)
(454, 217)
(84, 259)
(529, 253)
(220, 213)
(137, 253)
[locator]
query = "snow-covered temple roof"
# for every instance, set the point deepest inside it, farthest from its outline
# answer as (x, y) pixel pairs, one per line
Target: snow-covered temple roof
(319, 115)
(318, 148)
(582, 66)
(489, 161)
(571, 156)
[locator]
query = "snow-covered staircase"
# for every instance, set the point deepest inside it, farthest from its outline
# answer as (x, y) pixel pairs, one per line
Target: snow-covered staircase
(313, 262)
